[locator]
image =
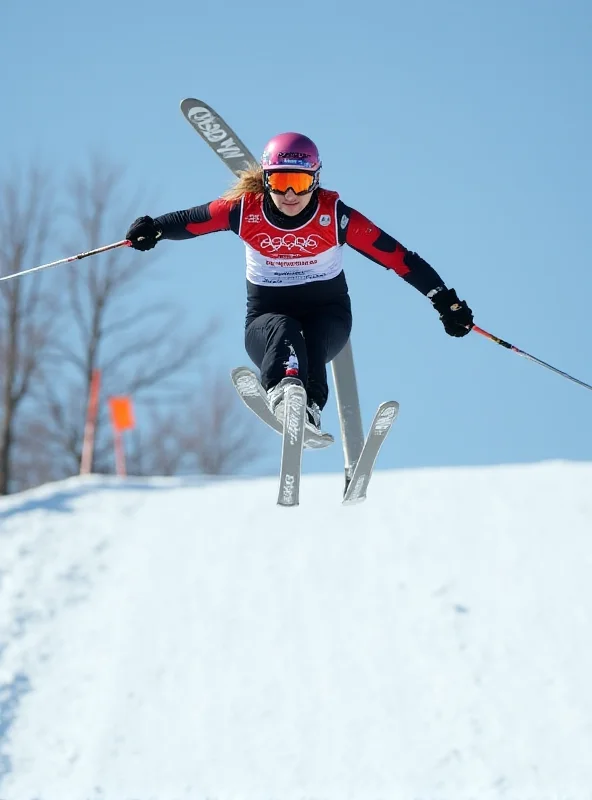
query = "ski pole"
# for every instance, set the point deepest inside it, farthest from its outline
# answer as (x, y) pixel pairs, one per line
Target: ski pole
(527, 355)
(122, 243)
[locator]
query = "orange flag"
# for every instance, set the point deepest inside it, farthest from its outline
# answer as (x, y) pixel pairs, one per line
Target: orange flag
(122, 413)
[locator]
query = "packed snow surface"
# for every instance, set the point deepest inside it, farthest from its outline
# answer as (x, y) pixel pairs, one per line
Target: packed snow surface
(164, 638)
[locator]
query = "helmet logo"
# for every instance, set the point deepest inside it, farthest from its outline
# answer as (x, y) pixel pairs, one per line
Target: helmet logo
(297, 159)
(293, 155)
(293, 159)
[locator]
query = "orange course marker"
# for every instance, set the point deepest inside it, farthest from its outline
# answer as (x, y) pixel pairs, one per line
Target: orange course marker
(122, 413)
(122, 419)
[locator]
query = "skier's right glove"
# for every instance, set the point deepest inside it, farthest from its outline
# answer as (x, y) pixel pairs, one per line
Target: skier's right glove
(455, 314)
(143, 233)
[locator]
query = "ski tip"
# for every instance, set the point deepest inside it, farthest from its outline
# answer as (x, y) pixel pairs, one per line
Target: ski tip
(355, 502)
(237, 370)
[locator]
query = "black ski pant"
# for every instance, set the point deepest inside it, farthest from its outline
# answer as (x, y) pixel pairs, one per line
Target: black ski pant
(279, 344)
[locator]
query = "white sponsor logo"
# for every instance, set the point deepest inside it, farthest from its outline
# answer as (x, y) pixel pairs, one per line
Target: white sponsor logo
(344, 221)
(325, 220)
(287, 242)
(247, 386)
(288, 488)
(206, 123)
(385, 420)
(295, 405)
(253, 218)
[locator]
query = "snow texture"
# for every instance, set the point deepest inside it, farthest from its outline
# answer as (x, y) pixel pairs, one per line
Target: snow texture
(167, 639)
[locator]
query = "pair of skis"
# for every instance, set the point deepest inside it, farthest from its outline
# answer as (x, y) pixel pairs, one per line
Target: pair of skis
(296, 433)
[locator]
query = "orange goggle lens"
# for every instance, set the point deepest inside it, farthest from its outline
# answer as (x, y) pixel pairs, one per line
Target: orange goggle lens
(299, 182)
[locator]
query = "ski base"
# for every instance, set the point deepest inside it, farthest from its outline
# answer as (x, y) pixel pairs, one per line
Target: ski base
(292, 446)
(217, 135)
(254, 397)
(357, 486)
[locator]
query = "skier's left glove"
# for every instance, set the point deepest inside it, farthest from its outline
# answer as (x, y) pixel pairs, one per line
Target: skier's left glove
(455, 314)
(143, 233)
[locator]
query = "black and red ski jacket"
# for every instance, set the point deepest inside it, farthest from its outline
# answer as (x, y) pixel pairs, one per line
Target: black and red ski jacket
(358, 232)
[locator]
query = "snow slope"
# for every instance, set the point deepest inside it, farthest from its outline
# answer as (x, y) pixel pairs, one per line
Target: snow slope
(166, 639)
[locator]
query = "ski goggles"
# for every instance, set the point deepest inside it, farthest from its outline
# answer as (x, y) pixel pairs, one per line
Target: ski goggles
(299, 182)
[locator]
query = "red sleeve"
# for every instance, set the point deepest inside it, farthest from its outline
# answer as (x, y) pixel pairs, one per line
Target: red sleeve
(368, 239)
(219, 215)
(214, 217)
(371, 241)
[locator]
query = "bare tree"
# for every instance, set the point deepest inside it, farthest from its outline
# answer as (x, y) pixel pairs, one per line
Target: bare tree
(140, 347)
(137, 347)
(57, 327)
(213, 435)
(224, 437)
(28, 309)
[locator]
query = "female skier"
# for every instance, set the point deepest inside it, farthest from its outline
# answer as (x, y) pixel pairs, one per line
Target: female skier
(298, 306)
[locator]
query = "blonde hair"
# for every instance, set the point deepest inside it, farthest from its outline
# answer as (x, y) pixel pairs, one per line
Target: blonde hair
(249, 181)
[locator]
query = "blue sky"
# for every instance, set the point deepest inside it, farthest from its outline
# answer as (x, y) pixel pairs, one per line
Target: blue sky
(462, 128)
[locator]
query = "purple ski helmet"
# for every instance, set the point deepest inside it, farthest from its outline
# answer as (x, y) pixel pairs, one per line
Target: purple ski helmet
(291, 151)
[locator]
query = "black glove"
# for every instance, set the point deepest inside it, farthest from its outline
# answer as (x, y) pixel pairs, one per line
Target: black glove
(455, 314)
(143, 233)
